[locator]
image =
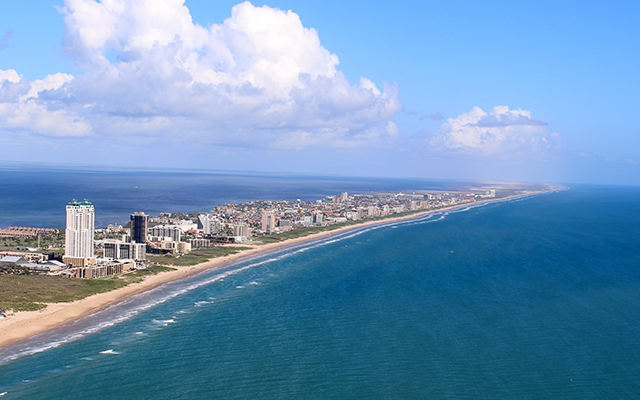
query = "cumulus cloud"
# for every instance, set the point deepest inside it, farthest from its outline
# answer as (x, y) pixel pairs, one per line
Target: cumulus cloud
(22, 112)
(501, 132)
(258, 79)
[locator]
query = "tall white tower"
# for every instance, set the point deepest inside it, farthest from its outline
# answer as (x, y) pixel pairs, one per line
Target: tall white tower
(79, 233)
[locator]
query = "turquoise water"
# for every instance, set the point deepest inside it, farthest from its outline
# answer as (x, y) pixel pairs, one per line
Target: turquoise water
(530, 299)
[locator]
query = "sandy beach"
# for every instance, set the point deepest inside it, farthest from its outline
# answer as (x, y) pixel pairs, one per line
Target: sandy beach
(28, 324)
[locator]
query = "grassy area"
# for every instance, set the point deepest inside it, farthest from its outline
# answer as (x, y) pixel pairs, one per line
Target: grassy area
(196, 256)
(10, 243)
(30, 292)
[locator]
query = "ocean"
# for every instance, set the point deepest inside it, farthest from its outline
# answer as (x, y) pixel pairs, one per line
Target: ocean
(536, 298)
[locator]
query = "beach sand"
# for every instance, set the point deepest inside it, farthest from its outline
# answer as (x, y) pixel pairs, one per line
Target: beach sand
(28, 324)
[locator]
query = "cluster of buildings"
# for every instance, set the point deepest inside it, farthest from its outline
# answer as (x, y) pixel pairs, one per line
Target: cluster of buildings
(227, 223)
(79, 254)
(267, 217)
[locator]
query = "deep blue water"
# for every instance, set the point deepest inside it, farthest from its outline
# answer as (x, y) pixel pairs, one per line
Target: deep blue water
(36, 195)
(531, 299)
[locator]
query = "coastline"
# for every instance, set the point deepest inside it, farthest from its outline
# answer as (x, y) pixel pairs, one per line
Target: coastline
(28, 324)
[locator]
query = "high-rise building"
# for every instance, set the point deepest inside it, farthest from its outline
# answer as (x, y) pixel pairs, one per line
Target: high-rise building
(268, 221)
(139, 227)
(241, 230)
(209, 224)
(79, 233)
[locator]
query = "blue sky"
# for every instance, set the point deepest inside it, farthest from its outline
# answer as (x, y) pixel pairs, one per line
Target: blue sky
(493, 90)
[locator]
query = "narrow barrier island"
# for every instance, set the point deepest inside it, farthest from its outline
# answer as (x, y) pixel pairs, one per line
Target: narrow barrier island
(32, 304)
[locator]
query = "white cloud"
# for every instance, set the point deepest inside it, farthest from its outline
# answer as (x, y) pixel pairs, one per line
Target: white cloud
(21, 111)
(501, 132)
(258, 79)
(9, 75)
(51, 82)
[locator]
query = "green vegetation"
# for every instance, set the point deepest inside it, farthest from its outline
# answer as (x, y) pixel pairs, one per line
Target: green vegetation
(30, 292)
(46, 241)
(196, 256)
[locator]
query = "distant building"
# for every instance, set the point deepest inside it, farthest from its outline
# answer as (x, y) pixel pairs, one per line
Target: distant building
(199, 243)
(242, 230)
(209, 224)
(139, 227)
(175, 247)
(268, 221)
(185, 225)
(167, 231)
(79, 234)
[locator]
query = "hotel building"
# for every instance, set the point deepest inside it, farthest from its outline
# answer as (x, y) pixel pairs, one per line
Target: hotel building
(79, 234)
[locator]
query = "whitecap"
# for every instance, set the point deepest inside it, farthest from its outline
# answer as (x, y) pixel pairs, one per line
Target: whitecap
(110, 351)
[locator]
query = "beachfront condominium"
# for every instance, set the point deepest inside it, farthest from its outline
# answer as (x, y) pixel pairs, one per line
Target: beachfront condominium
(79, 234)
(139, 227)
(210, 224)
(268, 221)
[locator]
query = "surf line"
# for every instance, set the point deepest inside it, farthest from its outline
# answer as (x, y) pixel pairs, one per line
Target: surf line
(63, 336)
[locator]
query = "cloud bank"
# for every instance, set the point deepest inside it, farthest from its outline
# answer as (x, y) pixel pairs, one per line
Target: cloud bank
(258, 79)
(500, 132)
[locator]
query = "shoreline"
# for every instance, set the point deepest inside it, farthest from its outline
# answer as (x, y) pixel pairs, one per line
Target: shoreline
(26, 325)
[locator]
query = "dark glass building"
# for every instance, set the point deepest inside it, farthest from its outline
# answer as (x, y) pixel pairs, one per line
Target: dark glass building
(139, 225)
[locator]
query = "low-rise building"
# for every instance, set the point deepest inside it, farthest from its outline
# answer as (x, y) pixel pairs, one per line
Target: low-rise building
(172, 231)
(117, 249)
(199, 243)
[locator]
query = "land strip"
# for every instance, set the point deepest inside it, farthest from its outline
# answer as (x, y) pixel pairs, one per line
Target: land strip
(27, 324)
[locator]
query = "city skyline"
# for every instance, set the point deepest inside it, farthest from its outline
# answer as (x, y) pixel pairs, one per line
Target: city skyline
(498, 91)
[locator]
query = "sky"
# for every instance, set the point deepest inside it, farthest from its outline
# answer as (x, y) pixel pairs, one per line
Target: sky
(534, 91)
